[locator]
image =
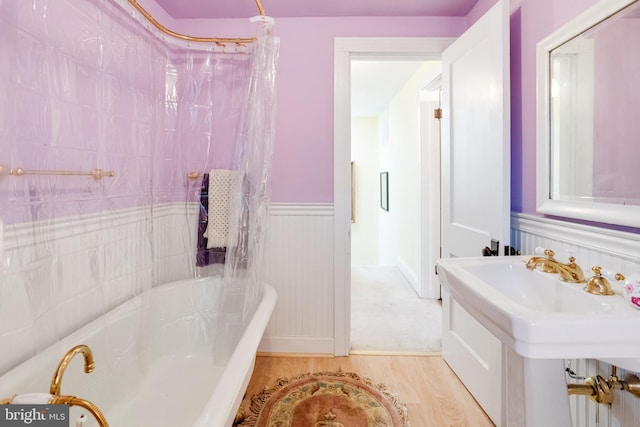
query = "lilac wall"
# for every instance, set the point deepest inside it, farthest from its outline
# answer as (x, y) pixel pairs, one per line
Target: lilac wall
(303, 152)
(303, 159)
(616, 124)
(532, 21)
(303, 156)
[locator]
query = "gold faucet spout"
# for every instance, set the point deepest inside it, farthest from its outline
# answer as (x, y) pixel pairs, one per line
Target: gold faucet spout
(569, 272)
(89, 366)
(76, 401)
(56, 382)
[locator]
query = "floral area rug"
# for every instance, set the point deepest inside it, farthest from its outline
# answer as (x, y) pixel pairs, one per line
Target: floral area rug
(325, 399)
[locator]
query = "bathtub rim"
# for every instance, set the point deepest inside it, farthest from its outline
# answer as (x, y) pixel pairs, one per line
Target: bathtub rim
(242, 361)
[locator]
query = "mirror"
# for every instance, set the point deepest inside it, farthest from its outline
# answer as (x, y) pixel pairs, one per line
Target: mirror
(588, 116)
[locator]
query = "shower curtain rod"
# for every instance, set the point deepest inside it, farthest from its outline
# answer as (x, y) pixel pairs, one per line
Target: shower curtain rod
(217, 40)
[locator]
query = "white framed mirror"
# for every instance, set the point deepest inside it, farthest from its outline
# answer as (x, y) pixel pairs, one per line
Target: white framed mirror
(588, 116)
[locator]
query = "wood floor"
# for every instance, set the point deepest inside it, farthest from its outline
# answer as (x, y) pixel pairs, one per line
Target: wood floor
(433, 394)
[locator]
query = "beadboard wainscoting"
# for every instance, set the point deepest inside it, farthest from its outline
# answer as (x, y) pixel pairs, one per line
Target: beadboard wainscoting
(298, 263)
(612, 250)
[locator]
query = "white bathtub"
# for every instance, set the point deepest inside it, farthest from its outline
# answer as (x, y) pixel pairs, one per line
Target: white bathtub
(154, 361)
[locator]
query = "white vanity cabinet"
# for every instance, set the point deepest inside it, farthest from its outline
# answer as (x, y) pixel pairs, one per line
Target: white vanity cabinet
(475, 355)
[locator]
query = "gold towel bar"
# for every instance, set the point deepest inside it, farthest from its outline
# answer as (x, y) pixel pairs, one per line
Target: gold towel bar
(95, 173)
(194, 175)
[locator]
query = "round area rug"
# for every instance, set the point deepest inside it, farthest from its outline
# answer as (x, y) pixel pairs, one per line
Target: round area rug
(326, 399)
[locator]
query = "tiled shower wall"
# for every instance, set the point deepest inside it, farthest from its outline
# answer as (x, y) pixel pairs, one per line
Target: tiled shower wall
(615, 251)
(83, 85)
(63, 274)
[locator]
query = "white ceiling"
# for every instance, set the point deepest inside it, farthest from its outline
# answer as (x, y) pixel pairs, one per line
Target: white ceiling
(374, 84)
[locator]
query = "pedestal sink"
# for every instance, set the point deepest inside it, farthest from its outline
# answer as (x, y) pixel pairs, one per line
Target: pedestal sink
(542, 321)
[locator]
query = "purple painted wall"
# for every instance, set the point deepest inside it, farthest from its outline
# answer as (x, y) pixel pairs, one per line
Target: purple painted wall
(303, 156)
(531, 21)
(303, 152)
(616, 125)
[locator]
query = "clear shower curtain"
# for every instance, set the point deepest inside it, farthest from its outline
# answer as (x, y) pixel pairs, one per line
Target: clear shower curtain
(89, 85)
(250, 206)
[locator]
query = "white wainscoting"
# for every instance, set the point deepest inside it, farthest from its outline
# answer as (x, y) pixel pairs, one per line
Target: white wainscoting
(299, 265)
(613, 250)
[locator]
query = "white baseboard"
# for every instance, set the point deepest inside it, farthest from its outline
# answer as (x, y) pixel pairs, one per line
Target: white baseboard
(409, 274)
(296, 345)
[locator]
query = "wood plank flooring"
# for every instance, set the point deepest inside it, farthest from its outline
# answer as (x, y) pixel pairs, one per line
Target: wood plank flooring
(433, 394)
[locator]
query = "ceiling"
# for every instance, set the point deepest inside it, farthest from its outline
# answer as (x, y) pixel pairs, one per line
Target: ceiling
(184, 9)
(375, 83)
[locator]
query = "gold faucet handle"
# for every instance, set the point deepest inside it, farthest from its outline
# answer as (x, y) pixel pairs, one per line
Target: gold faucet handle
(598, 284)
(611, 275)
(549, 253)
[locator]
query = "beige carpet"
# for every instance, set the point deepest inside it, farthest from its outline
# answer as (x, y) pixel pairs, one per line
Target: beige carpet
(388, 316)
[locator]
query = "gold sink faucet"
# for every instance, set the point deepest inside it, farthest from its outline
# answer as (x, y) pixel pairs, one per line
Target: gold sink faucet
(569, 272)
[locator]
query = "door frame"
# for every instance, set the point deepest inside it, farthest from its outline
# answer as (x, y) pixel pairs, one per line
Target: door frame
(430, 197)
(346, 49)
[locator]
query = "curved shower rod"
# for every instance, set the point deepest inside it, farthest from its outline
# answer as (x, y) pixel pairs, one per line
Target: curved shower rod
(217, 40)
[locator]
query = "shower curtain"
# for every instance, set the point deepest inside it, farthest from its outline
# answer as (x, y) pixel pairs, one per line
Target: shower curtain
(249, 212)
(233, 95)
(91, 85)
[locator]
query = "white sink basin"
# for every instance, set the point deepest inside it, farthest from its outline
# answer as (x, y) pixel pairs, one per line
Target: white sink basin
(538, 315)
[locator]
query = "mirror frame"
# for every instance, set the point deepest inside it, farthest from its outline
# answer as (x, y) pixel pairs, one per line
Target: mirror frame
(626, 215)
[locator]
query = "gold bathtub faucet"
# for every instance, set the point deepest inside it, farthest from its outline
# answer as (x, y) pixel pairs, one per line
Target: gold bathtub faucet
(56, 381)
(89, 366)
(569, 272)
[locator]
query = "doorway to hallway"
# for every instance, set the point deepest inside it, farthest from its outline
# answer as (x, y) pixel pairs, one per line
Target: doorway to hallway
(346, 49)
(394, 231)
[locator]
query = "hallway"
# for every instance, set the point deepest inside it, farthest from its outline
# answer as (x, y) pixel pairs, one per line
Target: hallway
(388, 317)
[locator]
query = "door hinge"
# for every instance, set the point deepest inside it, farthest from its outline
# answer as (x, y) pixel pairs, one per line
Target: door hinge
(437, 113)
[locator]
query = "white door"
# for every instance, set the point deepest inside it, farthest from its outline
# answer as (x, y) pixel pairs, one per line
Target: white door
(475, 137)
(475, 188)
